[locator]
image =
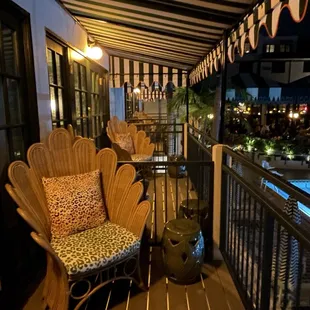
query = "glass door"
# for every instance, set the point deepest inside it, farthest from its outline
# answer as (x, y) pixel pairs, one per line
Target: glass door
(18, 129)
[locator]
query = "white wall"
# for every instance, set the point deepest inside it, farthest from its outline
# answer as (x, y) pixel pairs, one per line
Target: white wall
(48, 14)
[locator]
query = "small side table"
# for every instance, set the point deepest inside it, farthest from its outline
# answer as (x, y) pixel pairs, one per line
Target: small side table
(197, 210)
(182, 250)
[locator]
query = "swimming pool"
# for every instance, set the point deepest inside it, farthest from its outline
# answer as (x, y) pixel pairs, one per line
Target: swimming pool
(301, 184)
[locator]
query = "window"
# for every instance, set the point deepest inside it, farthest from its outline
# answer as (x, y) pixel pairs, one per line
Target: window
(270, 48)
(91, 98)
(19, 128)
(285, 48)
(81, 100)
(78, 90)
(306, 66)
(96, 110)
(55, 76)
(278, 67)
(11, 105)
(56, 58)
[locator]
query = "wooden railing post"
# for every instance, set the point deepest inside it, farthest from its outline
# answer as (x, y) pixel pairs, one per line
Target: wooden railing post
(217, 155)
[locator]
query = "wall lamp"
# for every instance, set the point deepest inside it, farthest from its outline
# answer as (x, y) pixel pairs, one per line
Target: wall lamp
(93, 51)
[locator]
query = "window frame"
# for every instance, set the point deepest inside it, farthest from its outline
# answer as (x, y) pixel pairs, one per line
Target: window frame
(268, 48)
(70, 90)
(28, 122)
(58, 48)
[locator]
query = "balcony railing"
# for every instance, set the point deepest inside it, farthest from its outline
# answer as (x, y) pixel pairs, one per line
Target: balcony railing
(264, 240)
(267, 250)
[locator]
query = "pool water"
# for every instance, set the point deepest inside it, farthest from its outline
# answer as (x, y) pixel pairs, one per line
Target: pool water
(301, 184)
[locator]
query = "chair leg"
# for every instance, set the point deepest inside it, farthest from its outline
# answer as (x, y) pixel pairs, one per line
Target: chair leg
(140, 281)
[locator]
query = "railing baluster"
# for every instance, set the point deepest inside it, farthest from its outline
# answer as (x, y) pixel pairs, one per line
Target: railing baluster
(253, 251)
(243, 235)
(230, 216)
(156, 206)
(248, 243)
(259, 267)
(238, 208)
(267, 261)
(234, 223)
(276, 264)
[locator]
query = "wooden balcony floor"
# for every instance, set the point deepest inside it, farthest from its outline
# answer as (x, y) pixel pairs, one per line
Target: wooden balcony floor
(215, 290)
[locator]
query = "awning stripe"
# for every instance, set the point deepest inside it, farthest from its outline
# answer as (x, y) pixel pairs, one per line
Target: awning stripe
(176, 33)
(129, 71)
(266, 14)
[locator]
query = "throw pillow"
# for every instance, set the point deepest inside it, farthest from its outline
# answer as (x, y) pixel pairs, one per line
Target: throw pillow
(125, 142)
(75, 203)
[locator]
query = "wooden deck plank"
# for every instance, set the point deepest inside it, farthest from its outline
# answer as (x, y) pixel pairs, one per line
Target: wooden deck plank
(231, 293)
(177, 297)
(214, 290)
(157, 290)
(197, 296)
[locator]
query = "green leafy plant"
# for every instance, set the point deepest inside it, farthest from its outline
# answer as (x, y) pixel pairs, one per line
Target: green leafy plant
(269, 147)
(200, 106)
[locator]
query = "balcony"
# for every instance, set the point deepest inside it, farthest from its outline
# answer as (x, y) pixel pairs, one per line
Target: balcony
(244, 267)
(257, 241)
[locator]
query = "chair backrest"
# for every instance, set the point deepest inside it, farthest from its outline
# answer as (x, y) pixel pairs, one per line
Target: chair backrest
(142, 143)
(58, 157)
(122, 155)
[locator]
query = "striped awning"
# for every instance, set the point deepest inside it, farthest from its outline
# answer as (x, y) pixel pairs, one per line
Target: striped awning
(176, 33)
(266, 14)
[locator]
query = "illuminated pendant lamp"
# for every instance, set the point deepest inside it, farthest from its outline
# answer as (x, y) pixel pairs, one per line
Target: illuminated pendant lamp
(93, 51)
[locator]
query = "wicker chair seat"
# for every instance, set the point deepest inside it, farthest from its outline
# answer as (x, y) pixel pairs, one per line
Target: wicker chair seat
(141, 157)
(95, 248)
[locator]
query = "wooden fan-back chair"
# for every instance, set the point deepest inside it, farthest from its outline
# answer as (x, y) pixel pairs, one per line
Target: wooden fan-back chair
(143, 149)
(126, 217)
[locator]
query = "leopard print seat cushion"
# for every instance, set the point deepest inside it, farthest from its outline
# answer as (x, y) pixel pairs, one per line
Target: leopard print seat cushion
(75, 203)
(95, 248)
(125, 142)
(141, 157)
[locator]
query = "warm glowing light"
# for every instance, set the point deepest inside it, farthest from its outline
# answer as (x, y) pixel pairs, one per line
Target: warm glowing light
(210, 116)
(241, 104)
(290, 115)
(269, 150)
(53, 105)
(76, 56)
(94, 52)
(295, 115)
(136, 91)
(258, 113)
(270, 112)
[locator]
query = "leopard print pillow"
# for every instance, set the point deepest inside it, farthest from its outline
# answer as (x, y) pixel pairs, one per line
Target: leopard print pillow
(75, 203)
(125, 142)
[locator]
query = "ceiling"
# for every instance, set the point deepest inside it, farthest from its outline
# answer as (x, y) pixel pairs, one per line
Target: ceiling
(175, 33)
